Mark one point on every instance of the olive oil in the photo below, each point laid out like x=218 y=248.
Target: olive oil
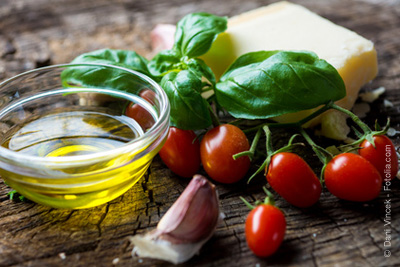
x=85 y=154
x=72 y=133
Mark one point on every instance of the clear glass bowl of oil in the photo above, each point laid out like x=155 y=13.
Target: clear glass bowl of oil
x=79 y=135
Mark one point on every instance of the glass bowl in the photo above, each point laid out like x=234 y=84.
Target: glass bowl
x=79 y=135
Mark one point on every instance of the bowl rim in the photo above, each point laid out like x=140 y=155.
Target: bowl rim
x=152 y=133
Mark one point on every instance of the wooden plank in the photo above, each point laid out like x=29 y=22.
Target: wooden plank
x=332 y=233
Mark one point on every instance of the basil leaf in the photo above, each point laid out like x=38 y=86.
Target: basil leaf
x=266 y=84
x=196 y=32
x=189 y=110
x=123 y=58
x=200 y=69
x=101 y=77
x=165 y=61
x=250 y=60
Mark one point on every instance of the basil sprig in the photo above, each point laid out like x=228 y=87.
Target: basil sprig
x=267 y=84
x=183 y=75
x=164 y=62
x=258 y=85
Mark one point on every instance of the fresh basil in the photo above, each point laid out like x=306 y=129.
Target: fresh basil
x=189 y=110
x=183 y=74
x=123 y=58
x=200 y=69
x=196 y=32
x=266 y=84
x=164 y=62
x=103 y=77
x=257 y=85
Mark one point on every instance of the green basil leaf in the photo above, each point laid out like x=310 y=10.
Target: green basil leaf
x=196 y=32
x=266 y=84
x=101 y=77
x=123 y=58
x=250 y=61
x=200 y=69
x=188 y=108
x=165 y=61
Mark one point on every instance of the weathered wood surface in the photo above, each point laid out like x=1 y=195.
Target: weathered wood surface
x=35 y=33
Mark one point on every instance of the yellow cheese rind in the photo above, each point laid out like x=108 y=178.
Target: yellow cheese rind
x=286 y=26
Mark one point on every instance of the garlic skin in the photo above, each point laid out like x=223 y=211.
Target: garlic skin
x=185 y=227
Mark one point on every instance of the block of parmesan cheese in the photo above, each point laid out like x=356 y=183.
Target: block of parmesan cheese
x=286 y=26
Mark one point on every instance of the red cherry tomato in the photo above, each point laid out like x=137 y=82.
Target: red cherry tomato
x=216 y=151
x=181 y=152
x=140 y=115
x=265 y=229
x=383 y=156
x=351 y=177
x=148 y=95
x=293 y=179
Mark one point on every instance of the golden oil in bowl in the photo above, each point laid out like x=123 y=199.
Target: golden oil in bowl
x=75 y=147
x=72 y=133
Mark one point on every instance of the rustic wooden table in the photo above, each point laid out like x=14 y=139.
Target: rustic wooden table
x=35 y=33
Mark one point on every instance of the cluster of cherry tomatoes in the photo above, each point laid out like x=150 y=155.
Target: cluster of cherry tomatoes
x=349 y=176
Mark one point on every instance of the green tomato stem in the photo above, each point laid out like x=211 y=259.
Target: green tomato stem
x=252 y=149
x=269 y=200
x=268 y=136
x=292 y=124
x=315 y=114
x=242 y=154
x=247 y=203
x=354 y=117
x=367 y=134
x=324 y=155
x=260 y=169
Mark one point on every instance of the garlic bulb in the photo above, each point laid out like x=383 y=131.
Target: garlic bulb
x=186 y=226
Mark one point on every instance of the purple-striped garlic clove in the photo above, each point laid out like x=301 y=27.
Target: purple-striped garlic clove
x=186 y=226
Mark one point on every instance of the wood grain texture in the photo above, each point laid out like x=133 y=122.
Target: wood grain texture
x=36 y=33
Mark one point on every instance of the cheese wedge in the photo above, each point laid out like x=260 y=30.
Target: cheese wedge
x=286 y=26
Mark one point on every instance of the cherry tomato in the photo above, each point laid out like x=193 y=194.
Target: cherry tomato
x=265 y=229
x=351 y=177
x=216 y=150
x=383 y=156
x=148 y=95
x=293 y=179
x=181 y=152
x=140 y=115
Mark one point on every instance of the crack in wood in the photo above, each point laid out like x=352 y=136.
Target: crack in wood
x=33 y=223
x=238 y=240
x=102 y=217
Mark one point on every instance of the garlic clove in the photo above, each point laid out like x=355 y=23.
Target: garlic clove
x=190 y=217
x=186 y=226
x=146 y=247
